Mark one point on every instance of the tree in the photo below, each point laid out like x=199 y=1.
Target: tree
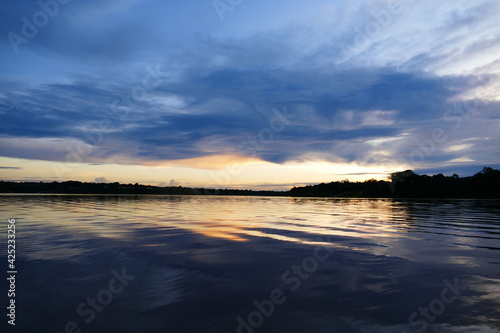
x=401 y=176
x=485 y=171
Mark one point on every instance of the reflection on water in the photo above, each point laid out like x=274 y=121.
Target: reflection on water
x=200 y=262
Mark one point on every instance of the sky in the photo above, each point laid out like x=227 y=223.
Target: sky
x=247 y=94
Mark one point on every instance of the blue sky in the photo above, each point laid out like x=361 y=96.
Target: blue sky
x=254 y=94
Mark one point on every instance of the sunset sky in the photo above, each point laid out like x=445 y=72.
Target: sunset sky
x=247 y=94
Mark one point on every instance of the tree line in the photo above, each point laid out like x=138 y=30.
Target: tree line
x=404 y=184
x=408 y=184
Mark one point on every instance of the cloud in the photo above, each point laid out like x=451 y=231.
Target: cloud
x=101 y=180
x=219 y=89
x=10 y=168
x=173 y=182
x=333 y=115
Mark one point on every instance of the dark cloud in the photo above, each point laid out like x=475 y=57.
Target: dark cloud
x=326 y=115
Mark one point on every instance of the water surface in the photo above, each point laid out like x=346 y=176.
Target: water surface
x=215 y=264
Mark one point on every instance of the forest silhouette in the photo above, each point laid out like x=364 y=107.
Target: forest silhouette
x=404 y=184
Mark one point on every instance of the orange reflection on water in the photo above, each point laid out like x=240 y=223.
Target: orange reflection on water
x=377 y=225
x=279 y=218
x=229 y=217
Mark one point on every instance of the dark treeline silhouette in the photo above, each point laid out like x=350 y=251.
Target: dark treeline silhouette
x=405 y=184
x=368 y=189
x=76 y=187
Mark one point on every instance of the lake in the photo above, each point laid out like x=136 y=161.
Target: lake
x=129 y=263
